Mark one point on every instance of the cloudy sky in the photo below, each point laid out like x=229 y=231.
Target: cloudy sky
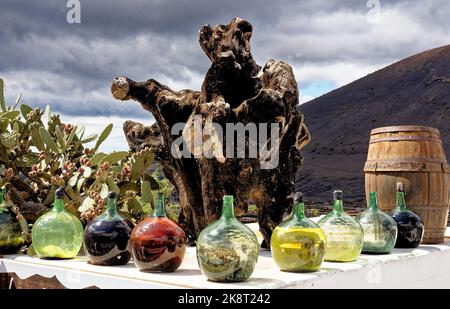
x=70 y=66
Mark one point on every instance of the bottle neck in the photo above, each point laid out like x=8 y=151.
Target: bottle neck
x=227 y=209
x=338 y=206
x=58 y=205
x=401 y=203
x=373 y=204
x=1 y=197
x=160 y=207
x=112 y=207
x=298 y=210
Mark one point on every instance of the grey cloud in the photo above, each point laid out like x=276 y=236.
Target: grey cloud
x=71 y=66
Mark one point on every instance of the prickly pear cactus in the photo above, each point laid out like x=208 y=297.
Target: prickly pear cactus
x=38 y=153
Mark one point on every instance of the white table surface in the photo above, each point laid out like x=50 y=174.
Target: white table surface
x=425 y=267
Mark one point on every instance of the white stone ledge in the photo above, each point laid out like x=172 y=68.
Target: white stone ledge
x=425 y=267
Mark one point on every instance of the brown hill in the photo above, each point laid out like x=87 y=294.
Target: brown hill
x=414 y=91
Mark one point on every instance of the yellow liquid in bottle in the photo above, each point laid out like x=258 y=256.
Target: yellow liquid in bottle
x=57 y=252
x=343 y=246
x=298 y=249
x=342 y=251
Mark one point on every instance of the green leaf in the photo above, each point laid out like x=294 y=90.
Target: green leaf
x=10 y=114
x=21 y=127
x=89 y=139
x=80 y=132
x=133 y=205
x=153 y=182
x=87 y=172
x=46 y=137
x=9 y=140
x=116 y=169
x=112 y=185
x=95 y=160
x=37 y=139
x=88 y=204
x=137 y=169
x=16 y=126
x=127 y=186
x=104 y=135
x=114 y=157
x=2 y=97
x=104 y=191
x=146 y=192
x=25 y=109
x=70 y=139
x=140 y=166
x=26 y=160
x=4 y=123
x=60 y=137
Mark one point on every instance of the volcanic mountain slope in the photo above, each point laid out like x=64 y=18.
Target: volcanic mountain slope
x=414 y=91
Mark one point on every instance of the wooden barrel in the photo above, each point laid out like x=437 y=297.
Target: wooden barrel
x=413 y=155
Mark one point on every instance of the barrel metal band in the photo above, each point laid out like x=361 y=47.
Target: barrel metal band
x=404 y=138
x=405 y=129
x=405 y=159
x=406 y=166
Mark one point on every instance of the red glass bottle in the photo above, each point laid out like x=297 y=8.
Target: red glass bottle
x=158 y=243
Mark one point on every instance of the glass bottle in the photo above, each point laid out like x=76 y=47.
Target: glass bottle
x=410 y=226
x=158 y=243
x=227 y=250
x=11 y=239
x=107 y=237
x=344 y=234
x=298 y=244
x=57 y=233
x=380 y=230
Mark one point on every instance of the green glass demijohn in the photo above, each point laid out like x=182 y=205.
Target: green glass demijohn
x=11 y=239
x=57 y=233
x=380 y=230
x=344 y=234
x=298 y=244
x=227 y=250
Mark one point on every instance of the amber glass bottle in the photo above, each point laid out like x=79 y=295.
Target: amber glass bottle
x=158 y=243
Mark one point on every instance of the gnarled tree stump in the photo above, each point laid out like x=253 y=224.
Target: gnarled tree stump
x=235 y=90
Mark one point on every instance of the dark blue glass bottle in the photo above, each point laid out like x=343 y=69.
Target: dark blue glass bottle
x=410 y=225
x=106 y=238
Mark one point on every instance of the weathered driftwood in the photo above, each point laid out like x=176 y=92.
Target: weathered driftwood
x=235 y=90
